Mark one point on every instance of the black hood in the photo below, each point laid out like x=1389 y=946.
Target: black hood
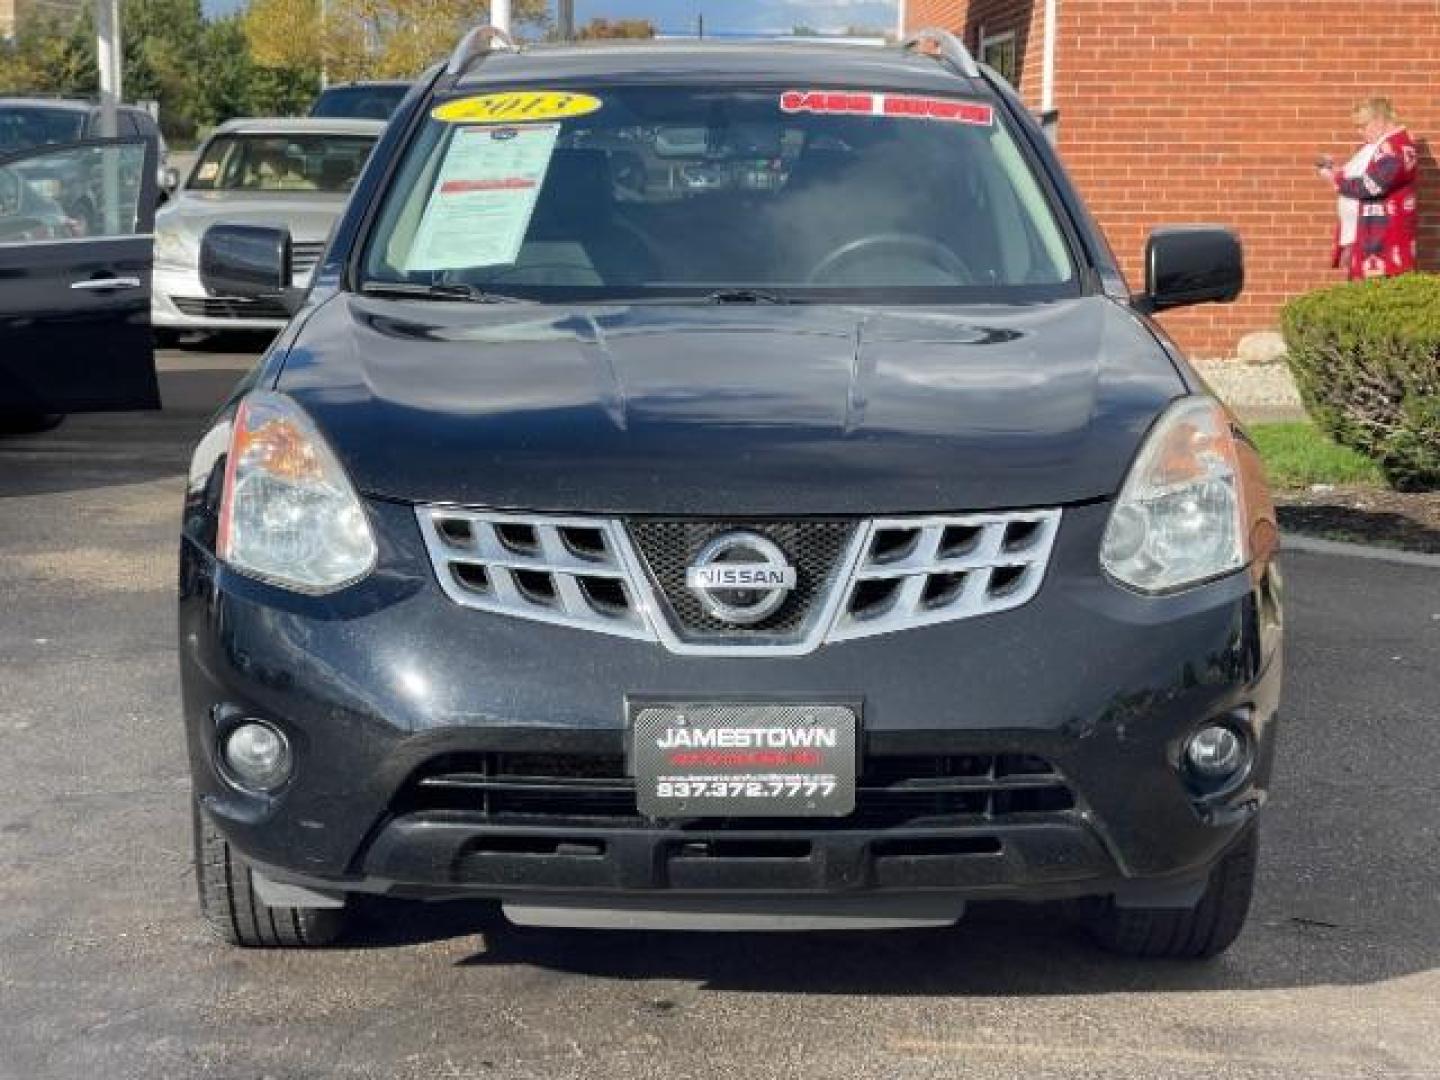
x=731 y=410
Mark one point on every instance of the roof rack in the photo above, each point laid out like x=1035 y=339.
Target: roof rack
x=945 y=46
x=475 y=46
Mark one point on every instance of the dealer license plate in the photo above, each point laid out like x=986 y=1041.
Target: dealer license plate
x=731 y=760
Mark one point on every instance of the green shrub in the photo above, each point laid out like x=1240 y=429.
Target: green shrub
x=1366 y=357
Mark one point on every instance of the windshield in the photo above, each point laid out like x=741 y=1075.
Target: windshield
x=291 y=162
x=647 y=191
x=23 y=127
x=361 y=102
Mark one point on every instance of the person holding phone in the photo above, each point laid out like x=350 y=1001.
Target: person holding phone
x=1376 y=200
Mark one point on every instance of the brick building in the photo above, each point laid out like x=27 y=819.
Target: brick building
x=1214 y=110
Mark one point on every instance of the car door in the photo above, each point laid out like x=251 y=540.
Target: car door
x=75 y=262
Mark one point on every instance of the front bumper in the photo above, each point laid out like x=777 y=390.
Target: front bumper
x=377 y=684
x=178 y=301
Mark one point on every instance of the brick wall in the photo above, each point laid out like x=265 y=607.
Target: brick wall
x=1214 y=110
x=992 y=17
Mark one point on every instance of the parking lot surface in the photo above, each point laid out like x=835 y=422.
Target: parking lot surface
x=106 y=971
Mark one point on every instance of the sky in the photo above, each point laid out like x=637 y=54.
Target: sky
x=744 y=15
x=752 y=16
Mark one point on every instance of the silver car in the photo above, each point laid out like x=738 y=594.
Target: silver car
x=292 y=174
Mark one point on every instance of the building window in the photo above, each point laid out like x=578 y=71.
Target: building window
x=999 y=51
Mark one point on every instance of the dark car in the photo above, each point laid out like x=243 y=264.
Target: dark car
x=360 y=100
x=76 y=214
x=27 y=123
x=831 y=540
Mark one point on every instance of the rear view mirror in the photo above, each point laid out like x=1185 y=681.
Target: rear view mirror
x=247 y=261
x=681 y=142
x=1192 y=264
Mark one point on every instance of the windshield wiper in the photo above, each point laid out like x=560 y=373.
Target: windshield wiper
x=449 y=290
x=748 y=296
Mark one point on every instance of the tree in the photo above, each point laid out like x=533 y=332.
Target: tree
x=264 y=62
x=365 y=38
x=46 y=56
x=227 y=90
x=161 y=44
x=618 y=28
x=234 y=85
x=283 y=33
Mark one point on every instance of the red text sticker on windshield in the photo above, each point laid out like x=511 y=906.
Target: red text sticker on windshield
x=850 y=103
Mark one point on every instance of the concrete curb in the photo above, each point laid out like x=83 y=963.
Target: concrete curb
x=1313 y=545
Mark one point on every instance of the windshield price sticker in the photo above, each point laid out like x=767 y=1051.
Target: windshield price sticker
x=703 y=760
x=516 y=106
x=480 y=209
x=904 y=106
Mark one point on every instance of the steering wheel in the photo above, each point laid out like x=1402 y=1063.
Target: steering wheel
x=931 y=251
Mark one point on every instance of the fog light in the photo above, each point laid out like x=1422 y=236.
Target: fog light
x=1215 y=753
x=257 y=755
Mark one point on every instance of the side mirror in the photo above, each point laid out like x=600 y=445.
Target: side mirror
x=1192 y=264
x=251 y=262
x=169 y=179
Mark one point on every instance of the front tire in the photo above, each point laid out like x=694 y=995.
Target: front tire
x=1196 y=933
x=236 y=914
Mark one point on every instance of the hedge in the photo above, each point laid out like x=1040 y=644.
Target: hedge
x=1366 y=357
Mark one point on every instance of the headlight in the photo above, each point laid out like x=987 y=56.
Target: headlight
x=1180 y=516
x=175 y=248
x=289 y=515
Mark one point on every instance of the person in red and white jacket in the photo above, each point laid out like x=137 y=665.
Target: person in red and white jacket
x=1377 y=204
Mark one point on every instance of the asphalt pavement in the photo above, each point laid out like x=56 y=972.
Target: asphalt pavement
x=106 y=971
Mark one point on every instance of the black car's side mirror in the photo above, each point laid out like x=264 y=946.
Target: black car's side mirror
x=1192 y=264
x=251 y=262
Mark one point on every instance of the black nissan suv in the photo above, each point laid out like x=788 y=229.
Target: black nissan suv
x=726 y=485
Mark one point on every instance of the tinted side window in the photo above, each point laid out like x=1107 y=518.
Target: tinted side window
x=363 y=102
x=126 y=126
x=72 y=192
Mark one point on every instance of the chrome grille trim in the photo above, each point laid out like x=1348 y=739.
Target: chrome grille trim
x=817 y=549
x=810 y=637
x=480 y=545
x=896 y=573
x=304 y=255
x=923 y=571
x=230 y=307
